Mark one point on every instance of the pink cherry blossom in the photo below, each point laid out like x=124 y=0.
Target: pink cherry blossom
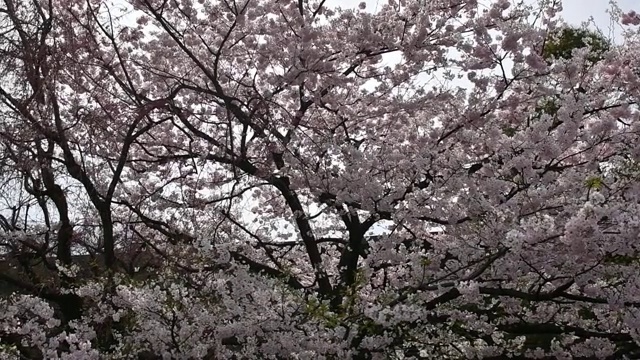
x=272 y=179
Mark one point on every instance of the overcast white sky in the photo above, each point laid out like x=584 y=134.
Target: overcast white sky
x=576 y=11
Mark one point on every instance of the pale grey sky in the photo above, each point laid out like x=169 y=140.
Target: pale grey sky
x=576 y=11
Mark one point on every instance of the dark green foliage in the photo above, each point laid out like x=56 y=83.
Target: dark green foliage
x=560 y=44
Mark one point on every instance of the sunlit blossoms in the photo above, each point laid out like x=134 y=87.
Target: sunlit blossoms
x=265 y=179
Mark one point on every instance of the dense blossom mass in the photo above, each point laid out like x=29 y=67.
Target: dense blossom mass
x=282 y=179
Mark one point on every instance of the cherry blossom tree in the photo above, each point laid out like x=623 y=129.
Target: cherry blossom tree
x=262 y=179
